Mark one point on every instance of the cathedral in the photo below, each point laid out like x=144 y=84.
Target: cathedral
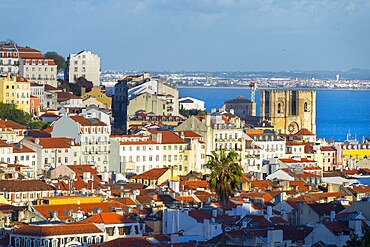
x=289 y=110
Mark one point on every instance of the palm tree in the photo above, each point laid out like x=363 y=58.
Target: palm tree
x=226 y=173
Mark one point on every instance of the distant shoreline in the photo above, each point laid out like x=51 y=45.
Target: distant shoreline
x=277 y=88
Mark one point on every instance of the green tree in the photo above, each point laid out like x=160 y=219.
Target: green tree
x=192 y=112
x=10 y=112
x=226 y=173
x=58 y=59
x=354 y=241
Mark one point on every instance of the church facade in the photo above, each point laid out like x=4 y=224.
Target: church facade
x=289 y=110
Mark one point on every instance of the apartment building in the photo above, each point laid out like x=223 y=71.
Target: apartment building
x=11 y=132
x=155 y=149
x=271 y=144
x=15 y=90
x=21 y=192
x=27 y=62
x=9 y=58
x=83 y=64
x=91 y=133
x=52 y=152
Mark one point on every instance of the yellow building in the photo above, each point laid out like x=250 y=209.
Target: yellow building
x=356 y=152
x=99 y=95
x=15 y=90
x=289 y=110
x=61 y=200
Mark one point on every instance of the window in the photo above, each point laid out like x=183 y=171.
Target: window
x=164 y=157
x=305 y=107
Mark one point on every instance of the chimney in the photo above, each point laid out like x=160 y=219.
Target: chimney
x=37 y=141
x=208 y=120
x=298 y=211
x=213 y=110
x=332 y=216
x=232 y=111
x=269 y=212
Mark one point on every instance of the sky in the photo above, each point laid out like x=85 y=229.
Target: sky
x=197 y=35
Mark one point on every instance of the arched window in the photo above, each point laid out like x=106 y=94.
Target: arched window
x=305 y=107
x=279 y=108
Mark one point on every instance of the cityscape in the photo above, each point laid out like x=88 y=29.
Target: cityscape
x=93 y=155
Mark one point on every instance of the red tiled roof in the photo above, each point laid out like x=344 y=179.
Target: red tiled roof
x=87 y=121
x=63 y=96
x=4 y=144
x=168 y=137
x=108 y=219
x=290 y=160
x=11 y=124
x=360 y=189
x=199 y=215
x=327 y=149
x=193 y=185
x=93 y=208
x=153 y=174
x=53 y=142
x=22 y=149
x=24 y=185
x=324 y=195
x=337 y=228
x=21 y=79
x=53 y=230
x=265 y=196
x=304 y=132
x=188 y=134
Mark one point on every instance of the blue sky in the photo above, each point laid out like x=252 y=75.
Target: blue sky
x=208 y=35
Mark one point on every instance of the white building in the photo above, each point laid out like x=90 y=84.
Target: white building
x=189 y=103
x=272 y=145
x=196 y=225
x=52 y=152
x=17 y=154
x=83 y=64
x=64 y=235
x=27 y=62
x=91 y=134
x=138 y=154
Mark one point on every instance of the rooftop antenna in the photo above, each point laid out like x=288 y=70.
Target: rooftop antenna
x=253 y=86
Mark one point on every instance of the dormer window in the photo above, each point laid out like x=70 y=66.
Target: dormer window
x=46 y=62
x=33 y=62
x=27 y=62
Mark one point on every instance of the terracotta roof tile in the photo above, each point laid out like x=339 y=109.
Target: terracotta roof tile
x=153 y=174
x=168 y=137
x=304 y=132
x=87 y=121
x=24 y=185
x=108 y=219
x=53 y=230
x=53 y=142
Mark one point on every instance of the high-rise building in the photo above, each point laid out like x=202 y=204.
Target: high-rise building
x=27 y=62
x=83 y=64
x=119 y=106
x=289 y=110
